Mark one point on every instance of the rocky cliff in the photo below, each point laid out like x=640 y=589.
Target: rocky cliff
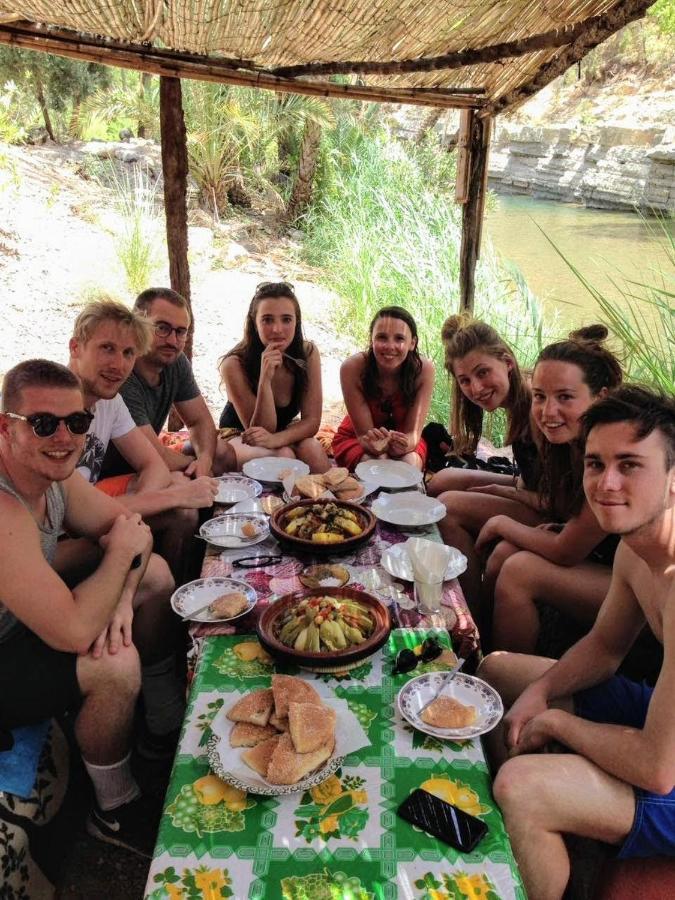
x=607 y=167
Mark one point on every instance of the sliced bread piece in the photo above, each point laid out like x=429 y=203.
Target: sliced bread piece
x=289 y=689
x=279 y=723
x=288 y=767
x=258 y=757
x=255 y=708
x=311 y=725
x=244 y=734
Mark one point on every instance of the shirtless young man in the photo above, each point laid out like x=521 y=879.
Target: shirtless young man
x=47 y=630
x=617 y=784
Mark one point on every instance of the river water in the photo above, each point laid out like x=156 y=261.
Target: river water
x=602 y=245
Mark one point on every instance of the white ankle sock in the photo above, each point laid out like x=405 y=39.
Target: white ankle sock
x=164 y=696
x=113 y=785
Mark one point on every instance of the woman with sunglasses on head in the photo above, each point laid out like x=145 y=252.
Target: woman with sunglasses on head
x=485 y=377
x=566 y=566
x=387 y=392
x=271 y=376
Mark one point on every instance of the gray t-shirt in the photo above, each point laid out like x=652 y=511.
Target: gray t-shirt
x=49 y=533
x=150 y=405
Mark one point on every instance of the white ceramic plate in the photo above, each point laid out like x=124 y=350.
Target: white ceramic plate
x=408 y=508
x=226 y=530
x=196 y=594
x=272 y=469
x=388 y=473
x=466 y=689
x=234 y=488
x=396 y=561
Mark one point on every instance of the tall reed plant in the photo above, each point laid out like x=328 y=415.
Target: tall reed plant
x=641 y=314
x=139 y=241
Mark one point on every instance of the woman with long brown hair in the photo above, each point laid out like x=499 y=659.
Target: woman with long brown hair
x=272 y=376
x=485 y=376
x=387 y=391
x=568 y=566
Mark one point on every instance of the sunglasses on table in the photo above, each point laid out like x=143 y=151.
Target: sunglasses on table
x=46 y=424
x=407 y=660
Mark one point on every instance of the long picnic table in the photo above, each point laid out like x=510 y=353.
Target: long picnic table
x=342 y=839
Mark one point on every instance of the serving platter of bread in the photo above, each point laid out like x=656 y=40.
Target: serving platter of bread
x=336 y=482
x=466 y=708
x=280 y=739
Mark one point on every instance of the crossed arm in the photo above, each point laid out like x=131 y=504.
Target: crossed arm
x=642 y=757
x=71 y=620
x=257 y=412
x=567 y=547
x=197 y=418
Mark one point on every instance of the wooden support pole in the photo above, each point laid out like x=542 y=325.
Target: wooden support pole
x=472 y=211
x=175 y=169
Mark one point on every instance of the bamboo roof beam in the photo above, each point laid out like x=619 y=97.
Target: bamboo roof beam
x=173 y=64
x=625 y=12
x=618 y=17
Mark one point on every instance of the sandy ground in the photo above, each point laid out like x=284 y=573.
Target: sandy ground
x=57 y=249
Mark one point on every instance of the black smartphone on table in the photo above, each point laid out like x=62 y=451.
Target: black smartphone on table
x=442 y=820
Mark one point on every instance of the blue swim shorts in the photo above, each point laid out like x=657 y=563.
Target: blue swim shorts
x=620 y=701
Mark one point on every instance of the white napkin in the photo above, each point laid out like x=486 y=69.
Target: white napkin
x=429 y=559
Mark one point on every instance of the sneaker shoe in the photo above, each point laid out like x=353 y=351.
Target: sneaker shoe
x=133 y=825
x=157 y=746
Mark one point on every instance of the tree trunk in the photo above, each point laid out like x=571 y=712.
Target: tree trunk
x=429 y=121
x=74 y=124
x=142 y=89
x=304 y=179
x=40 y=94
x=472 y=211
x=175 y=169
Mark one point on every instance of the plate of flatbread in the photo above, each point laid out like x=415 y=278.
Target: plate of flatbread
x=282 y=739
x=465 y=709
x=215 y=599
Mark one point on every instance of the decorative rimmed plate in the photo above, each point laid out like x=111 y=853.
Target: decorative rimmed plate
x=396 y=561
x=467 y=689
x=388 y=473
x=268 y=790
x=272 y=469
x=235 y=530
x=196 y=594
x=233 y=488
x=409 y=508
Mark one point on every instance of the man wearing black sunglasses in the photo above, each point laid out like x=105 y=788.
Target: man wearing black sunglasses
x=161 y=378
x=64 y=649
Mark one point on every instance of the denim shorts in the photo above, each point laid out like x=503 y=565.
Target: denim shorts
x=620 y=701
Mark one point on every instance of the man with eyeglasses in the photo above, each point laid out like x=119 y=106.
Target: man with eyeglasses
x=163 y=378
x=107 y=339
x=49 y=632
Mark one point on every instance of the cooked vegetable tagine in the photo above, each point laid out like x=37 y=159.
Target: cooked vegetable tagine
x=324 y=624
x=323 y=523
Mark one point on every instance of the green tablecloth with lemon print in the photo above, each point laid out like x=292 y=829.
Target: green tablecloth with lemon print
x=341 y=840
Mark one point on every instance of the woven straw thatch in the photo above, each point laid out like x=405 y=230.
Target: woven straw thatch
x=273 y=35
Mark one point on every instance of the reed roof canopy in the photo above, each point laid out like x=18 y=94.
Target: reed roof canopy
x=489 y=55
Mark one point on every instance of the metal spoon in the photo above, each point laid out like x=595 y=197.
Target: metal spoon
x=444 y=683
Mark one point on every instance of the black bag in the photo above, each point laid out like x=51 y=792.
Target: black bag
x=440 y=454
